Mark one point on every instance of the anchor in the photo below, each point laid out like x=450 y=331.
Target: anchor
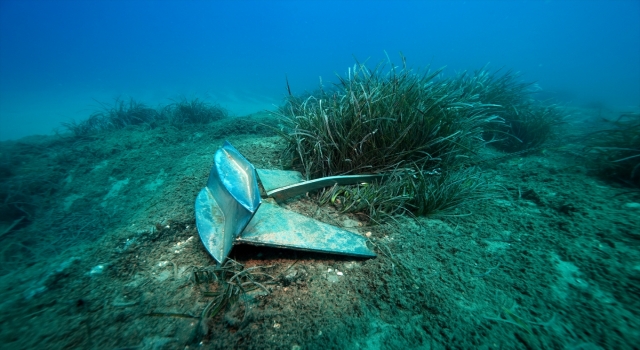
x=230 y=210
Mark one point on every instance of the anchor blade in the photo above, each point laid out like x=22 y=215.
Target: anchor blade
x=274 y=226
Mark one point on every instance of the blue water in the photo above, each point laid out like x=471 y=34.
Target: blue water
x=60 y=59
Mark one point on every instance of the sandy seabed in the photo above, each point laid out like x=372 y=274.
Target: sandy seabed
x=106 y=261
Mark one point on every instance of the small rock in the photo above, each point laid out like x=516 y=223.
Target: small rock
x=163 y=276
x=351 y=223
x=96 y=270
x=632 y=205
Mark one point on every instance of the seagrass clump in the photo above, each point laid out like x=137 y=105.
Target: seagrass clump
x=123 y=114
x=119 y=115
x=383 y=119
x=614 y=152
x=421 y=128
x=528 y=123
x=195 y=111
x=411 y=192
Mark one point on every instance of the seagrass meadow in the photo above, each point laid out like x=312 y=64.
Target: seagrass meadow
x=501 y=221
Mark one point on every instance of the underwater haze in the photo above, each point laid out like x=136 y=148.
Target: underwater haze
x=59 y=60
x=451 y=204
